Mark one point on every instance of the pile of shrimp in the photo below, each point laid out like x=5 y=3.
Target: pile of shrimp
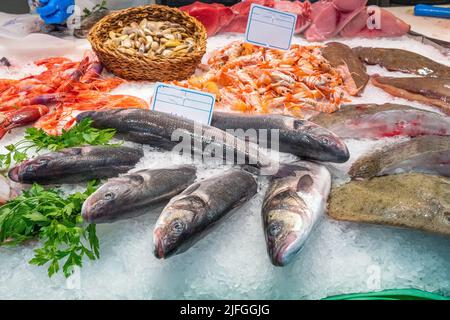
x=253 y=79
x=52 y=99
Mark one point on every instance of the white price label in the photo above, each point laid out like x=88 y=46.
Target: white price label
x=191 y=104
x=270 y=28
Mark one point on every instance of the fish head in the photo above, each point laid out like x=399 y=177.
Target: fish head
x=173 y=232
x=31 y=170
x=286 y=232
x=112 y=199
x=323 y=144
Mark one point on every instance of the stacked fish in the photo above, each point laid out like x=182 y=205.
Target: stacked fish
x=297 y=193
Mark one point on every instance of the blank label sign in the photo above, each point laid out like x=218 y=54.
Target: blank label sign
x=187 y=103
x=270 y=28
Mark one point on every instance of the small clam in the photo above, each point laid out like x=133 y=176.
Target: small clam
x=126 y=43
x=180 y=47
x=166 y=53
x=148 y=39
x=172 y=43
x=142 y=48
x=154 y=46
x=169 y=36
x=134 y=25
x=112 y=34
x=143 y=23
x=163 y=40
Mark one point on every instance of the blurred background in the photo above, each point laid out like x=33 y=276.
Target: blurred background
x=21 y=6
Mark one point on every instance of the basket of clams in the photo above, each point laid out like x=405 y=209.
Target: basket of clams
x=154 y=43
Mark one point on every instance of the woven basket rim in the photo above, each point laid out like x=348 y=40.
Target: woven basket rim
x=98 y=45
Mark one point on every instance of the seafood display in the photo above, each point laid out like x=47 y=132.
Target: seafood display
x=152 y=38
x=433 y=91
x=383 y=120
x=294 y=202
x=52 y=98
x=352 y=70
x=158 y=129
x=253 y=79
x=136 y=193
x=411 y=200
x=298 y=137
x=403 y=61
x=318 y=21
x=426 y=154
x=77 y=164
x=188 y=216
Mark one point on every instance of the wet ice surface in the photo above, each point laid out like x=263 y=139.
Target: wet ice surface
x=231 y=261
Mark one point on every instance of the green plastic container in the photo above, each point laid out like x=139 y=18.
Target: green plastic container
x=390 y=294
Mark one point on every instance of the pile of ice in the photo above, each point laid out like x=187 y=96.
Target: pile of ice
x=231 y=262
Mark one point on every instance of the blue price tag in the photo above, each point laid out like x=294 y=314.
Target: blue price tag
x=270 y=28
x=192 y=104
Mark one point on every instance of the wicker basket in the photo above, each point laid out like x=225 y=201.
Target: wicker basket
x=142 y=67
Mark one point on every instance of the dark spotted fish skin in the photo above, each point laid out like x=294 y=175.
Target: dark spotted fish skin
x=403 y=61
x=79 y=164
x=426 y=154
x=136 y=193
x=301 y=138
x=293 y=204
x=157 y=129
x=353 y=71
x=190 y=215
x=432 y=91
x=386 y=120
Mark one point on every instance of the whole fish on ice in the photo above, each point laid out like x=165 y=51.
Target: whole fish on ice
x=136 y=193
x=189 y=215
x=77 y=164
x=411 y=200
x=428 y=90
x=298 y=137
x=158 y=129
x=349 y=66
x=427 y=154
x=385 y=120
x=402 y=60
x=294 y=202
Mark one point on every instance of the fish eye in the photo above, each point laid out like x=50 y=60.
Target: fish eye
x=274 y=229
x=177 y=227
x=325 y=140
x=43 y=161
x=108 y=196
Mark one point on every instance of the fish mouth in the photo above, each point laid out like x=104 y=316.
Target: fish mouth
x=158 y=243
x=13 y=174
x=287 y=251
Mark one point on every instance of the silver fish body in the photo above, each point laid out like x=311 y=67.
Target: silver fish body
x=136 y=193
x=383 y=120
x=295 y=200
x=188 y=216
x=79 y=164
x=159 y=129
x=301 y=138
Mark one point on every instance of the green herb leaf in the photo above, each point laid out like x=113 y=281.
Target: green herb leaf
x=81 y=134
x=56 y=220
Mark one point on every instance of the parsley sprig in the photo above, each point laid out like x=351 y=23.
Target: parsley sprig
x=56 y=221
x=37 y=139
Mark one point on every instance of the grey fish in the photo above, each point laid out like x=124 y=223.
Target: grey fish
x=432 y=91
x=352 y=70
x=78 y=164
x=188 y=216
x=157 y=129
x=411 y=200
x=298 y=137
x=136 y=193
x=402 y=60
x=385 y=120
x=427 y=154
x=294 y=202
